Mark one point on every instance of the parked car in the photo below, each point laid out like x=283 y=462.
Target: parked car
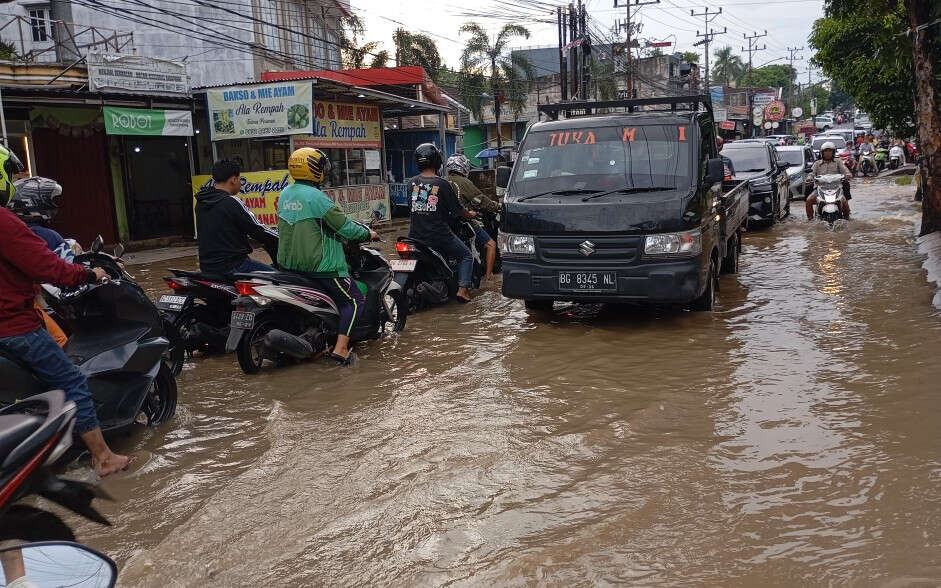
x=824 y=122
x=801 y=158
x=758 y=164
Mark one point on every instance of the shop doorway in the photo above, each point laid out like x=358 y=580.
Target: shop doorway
x=158 y=188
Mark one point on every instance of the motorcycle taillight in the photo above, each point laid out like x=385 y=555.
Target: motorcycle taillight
x=246 y=288
x=403 y=249
x=174 y=285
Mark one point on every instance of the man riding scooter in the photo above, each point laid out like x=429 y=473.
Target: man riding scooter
x=310 y=225
x=829 y=164
x=472 y=198
x=26 y=260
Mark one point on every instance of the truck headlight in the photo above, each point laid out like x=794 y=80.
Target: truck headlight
x=687 y=243
x=516 y=244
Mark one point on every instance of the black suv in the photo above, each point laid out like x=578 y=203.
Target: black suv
x=757 y=163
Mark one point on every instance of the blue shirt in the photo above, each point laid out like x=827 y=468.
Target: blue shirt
x=53 y=239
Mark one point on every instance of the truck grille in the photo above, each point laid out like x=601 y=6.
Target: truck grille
x=605 y=251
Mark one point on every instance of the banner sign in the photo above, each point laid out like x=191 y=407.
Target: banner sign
x=775 y=111
x=260 y=192
x=142 y=121
x=136 y=74
x=720 y=114
x=345 y=125
x=398 y=194
x=763 y=99
x=727 y=125
x=363 y=203
x=261 y=110
x=717 y=94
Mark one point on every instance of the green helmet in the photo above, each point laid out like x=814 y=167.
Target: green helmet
x=10 y=165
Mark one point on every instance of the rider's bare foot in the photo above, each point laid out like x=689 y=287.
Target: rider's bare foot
x=489 y=277
x=111 y=464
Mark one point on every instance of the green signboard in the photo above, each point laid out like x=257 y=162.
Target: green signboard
x=142 y=121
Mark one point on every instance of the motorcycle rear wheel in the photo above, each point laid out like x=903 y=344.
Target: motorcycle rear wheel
x=175 y=354
x=396 y=299
x=160 y=404
x=251 y=349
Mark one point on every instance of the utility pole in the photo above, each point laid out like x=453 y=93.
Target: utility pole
x=628 y=29
x=708 y=35
x=563 y=72
x=573 y=49
x=791 y=58
x=752 y=48
x=583 y=51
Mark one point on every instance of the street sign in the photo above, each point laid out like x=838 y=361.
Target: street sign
x=775 y=110
x=768 y=125
x=762 y=99
x=756 y=111
x=757 y=121
x=797 y=112
x=727 y=125
x=775 y=125
x=720 y=114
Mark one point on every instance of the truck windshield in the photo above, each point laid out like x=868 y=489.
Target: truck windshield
x=748 y=159
x=591 y=159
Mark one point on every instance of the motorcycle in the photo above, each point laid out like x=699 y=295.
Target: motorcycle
x=427 y=277
x=849 y=161
x=198 y=310
x=867 y=164
x=116 y=338
x=34 y=434
x=830 y=197
x=881 y=157
x=896 y=156
x=284 y=316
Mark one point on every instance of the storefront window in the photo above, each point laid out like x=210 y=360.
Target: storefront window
x=257 y=155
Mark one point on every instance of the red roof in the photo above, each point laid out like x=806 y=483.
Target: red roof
x=374 y=76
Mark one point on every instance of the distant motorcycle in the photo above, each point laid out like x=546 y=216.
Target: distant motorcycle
x=427 y=276
x=830 y=197
x=867 y=164
x=283 y=316
x=846 y=156
x=881 y=158
x=116 y=338
x=896 y=156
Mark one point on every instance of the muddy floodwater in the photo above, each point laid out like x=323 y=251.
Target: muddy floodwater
x=793 y=437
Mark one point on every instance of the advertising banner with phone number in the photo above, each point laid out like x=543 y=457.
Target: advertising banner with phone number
x=260 y=110
x=260 y=192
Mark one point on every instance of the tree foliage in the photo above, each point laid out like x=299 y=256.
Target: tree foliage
x=776 y=75
x=489 y=67
x=690 y=57
x=728 y=67
x=862 y=47
x=417 y=49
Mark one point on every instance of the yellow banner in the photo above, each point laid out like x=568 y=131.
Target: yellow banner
x=346 y=125
x=260 y=192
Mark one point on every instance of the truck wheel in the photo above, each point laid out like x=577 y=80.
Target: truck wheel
x=538 y=305
x=707 y=301
x=730 y=263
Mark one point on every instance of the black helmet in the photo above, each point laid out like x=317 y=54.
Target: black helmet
x=427 y=156
x=36 y=199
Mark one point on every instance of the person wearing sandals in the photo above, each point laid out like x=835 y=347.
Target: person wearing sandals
x=310 y=226
x=434 y=204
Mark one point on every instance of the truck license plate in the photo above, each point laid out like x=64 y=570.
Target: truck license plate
x=242 y=320
x=592 y=281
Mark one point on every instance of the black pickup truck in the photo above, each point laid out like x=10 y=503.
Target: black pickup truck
x=609 y=203
x=759 y=164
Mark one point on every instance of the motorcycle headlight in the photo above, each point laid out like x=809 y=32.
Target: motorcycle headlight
x=516 y=244
x=687 y=243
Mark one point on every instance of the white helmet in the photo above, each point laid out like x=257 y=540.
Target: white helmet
x=828 y=145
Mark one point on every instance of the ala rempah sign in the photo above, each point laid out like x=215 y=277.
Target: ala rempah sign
x=143 y=121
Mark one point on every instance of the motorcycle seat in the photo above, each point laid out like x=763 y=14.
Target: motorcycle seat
x=281 y=277
x=201 y=276
x=14 y=429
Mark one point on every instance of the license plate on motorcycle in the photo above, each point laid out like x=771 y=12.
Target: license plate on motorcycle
x=171 y=302
x=403 y=265
x=588 y=281
x=242 y=320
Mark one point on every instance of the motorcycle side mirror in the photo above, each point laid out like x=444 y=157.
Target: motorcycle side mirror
x=119 y=250
x=503 y=176
x=96 y=244
x=57 y=563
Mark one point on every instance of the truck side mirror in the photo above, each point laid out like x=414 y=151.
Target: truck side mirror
x=715 y=170
x=503 y=176
x=783 y=165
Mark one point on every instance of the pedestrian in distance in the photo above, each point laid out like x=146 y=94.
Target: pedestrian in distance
x=25 y=261
x=311 y=226
x=434 y=206
x=224 y=224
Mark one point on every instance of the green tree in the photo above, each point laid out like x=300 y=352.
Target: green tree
x=727 y=67
x=603 y=79
x=417 y=49
x=690 y=57
x=355 y=57
x=884 y=53
x=776 y=75
x=489 y=64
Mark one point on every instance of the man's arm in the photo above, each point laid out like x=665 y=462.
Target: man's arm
x=342 y=225
x=29 y=253
x=472 y=194
x=249 y=223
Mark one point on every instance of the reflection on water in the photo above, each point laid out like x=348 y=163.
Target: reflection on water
x=790 y=438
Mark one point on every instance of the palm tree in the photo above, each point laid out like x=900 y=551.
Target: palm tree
x=690 y=56
x=355 y=57
x=489 y=65
x=728 y=67
x=417 y=49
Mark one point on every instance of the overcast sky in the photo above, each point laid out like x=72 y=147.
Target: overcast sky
x=788 y=23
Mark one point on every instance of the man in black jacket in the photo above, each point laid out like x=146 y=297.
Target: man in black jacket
x=224 y=224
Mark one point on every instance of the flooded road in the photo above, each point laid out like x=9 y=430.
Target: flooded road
x=791 y=438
